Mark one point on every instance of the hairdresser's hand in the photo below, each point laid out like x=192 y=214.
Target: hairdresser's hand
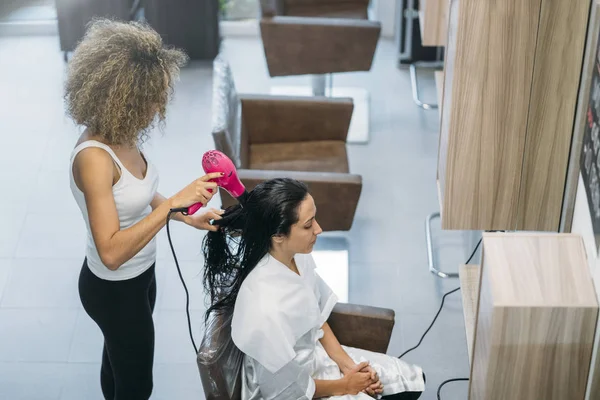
x=199 y=191
x=356 y=380
x=201 y=220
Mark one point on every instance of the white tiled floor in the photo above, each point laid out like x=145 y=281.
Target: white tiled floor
x=50 y=349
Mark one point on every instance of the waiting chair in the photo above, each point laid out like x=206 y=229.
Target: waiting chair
x=303 y=138
x=220 y=361
x=321 y=38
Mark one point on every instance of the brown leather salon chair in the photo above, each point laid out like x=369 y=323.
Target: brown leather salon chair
x=317 y=36
x=284 y=136
x=220 y=362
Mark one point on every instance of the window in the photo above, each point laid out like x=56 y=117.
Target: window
x=238 y=10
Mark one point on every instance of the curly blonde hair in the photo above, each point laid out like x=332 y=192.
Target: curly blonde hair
x=120 y=79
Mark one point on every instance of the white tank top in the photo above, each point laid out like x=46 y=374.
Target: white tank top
x=132 y=198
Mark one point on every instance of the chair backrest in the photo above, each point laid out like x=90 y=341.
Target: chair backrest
x=220 y=361
x=226 y=113
x=331 y=8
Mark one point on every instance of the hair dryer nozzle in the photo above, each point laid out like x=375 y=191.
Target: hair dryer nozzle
x=216 y=161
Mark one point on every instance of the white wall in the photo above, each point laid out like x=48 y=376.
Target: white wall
x=582 y=224
x=385 y=12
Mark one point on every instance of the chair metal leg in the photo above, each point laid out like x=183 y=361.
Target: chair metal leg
x=318 y=85
x=415 y=82
x=432 y=267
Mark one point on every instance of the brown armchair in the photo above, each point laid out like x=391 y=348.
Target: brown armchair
x=283 y=136
x=220 y=362
x=317 y=36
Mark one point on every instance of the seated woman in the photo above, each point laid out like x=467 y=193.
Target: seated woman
x=259 y=264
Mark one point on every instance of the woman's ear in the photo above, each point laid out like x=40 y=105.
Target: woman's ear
x=278 y=238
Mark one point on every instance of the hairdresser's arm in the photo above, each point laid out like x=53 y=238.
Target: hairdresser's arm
x=93 y=173
x=160 y=199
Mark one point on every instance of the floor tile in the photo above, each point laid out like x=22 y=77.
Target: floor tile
x=173 y=343
x=12 y=225
x=6 y=268
x=43 y=283
x=52 y=192
x=81 y=382
x=31 y=381
x=174 y=295
x=47 y=235
x=177 y=381
x=36 y=335
x=87 y=340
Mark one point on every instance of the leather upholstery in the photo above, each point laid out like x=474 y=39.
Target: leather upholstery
x=220 y=362
x=287 y=119
x=321 y=156
x=317 y=37
x=364 y=327
x=298 y=137
x=354 y=9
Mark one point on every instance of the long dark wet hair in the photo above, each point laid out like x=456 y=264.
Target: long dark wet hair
x=244 y=238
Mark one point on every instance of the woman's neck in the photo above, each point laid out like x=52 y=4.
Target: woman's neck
x=285 y=258
x=89 y=135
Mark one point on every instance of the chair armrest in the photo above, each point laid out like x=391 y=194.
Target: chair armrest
x=284 y=119
x=313 y=45
x=336 y=194
x=363 y=327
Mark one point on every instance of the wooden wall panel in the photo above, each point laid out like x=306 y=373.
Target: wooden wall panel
x=556 y=76
x=491 y=83
x=446 y=104
x=433 y=16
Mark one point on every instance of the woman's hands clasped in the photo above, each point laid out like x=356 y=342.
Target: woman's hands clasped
x=362 y=378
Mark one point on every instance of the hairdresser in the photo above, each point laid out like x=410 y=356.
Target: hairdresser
x=118 y=83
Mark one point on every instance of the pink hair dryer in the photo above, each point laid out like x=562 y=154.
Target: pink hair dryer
x=216 y=161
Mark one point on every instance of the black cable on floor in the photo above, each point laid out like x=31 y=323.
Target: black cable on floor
x=441 y=306
x=448 y=381
x=187 y=295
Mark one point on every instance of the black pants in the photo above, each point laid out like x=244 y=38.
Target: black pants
x=123 y=311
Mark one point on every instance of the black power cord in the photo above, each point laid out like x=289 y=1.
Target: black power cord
x=187 y=295
x=433 y=322
x=441 y=306
x=448 y=381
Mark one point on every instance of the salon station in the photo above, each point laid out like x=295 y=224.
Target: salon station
x=452 y=148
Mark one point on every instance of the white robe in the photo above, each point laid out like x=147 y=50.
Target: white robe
x=277 y=323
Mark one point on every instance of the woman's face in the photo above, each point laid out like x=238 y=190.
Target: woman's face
x=303 y=233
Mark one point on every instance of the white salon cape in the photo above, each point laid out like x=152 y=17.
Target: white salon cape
x=277 y=323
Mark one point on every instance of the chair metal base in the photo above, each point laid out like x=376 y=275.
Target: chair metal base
x=359 y=124
x=432 y=267
x=436 y=66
